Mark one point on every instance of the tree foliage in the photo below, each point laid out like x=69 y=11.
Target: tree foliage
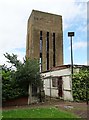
x=81 y=85
x=15 y=82
x=13 y=60
x=28 y=73
x=10 y=88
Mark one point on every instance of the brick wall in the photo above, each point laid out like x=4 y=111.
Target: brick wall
x=16 y=102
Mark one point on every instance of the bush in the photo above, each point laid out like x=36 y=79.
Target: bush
x=10 y=87
x=81 y=85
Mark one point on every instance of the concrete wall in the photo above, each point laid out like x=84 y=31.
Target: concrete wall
x=47 y=86
x=66 y=86
x=45 y=22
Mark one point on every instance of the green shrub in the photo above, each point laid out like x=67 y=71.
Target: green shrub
x=81 y=85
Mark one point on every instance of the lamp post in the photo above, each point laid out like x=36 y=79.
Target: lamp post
x=50 y=83
x=71 y=34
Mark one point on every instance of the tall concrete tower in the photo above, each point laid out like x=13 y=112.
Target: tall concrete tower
x=45 y=39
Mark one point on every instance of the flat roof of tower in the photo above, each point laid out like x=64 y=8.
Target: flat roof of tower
x=37 y=11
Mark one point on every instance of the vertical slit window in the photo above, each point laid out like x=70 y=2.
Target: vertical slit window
x=53 y=49
x=47 y=50
x=40 y=50
x=28 y=41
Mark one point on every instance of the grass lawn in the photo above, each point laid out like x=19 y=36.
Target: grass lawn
x=37 y=113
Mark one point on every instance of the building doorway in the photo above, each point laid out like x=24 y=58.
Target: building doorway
x=60 y=92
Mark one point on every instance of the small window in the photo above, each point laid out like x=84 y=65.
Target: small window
x=54 y=82
x=34 y=90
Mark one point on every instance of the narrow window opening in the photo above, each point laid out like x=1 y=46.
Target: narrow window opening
x=47 y=50
x=40 y=51
x=53 y=49
x=28 y=42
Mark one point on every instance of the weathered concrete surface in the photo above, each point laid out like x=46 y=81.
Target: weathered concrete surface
x=45 y=22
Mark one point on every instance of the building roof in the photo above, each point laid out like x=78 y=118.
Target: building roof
x=64 y=67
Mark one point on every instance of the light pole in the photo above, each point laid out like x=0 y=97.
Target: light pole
x=71 y=34
x=50 y=83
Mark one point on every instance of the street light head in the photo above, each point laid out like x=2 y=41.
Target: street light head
x=70 y=34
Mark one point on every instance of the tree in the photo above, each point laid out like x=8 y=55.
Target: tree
x=81 y=85
x=26 y=73
x=10 y=88
x=13 y=60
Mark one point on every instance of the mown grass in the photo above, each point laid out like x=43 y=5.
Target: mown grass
x=37 y=113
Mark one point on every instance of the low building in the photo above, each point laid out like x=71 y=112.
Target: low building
x=57 y=82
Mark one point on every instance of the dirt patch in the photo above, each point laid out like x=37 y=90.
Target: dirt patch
x=79 y=109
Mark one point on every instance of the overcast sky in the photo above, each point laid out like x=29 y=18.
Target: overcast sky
x=13 y=26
